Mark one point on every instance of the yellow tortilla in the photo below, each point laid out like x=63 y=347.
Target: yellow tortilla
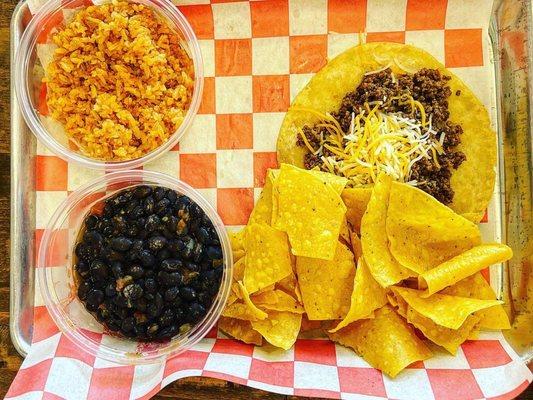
x=367 y=296
x=472 y=182
x=326 y=285
x=384 y=268
x=280 y=328
x=262 y=212
x=462 y=266
x=444 y=310
x=477 y=287
x=423 y=232
x=356 y=200
x=241 y=330
x=386 y=342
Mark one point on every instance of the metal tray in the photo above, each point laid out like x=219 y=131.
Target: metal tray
x=511 y=19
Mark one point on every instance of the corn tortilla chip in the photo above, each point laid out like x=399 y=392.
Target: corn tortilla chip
x=477 y=287
x=367 y=296
x=450 y=339
x=278 y=300
x=448 y=311
x=241 y=330
x=356 y=200
x=262 y=212
x=290 y=286
x=310 y=211
x=280 y=328
x=383 y=267
x=267 y=258
x=462 y=266
x=336 y=182
x=238 y=270
x=238 y=255
x=239 y=310
x=355 y=241
x=246 y=297
x=386 y=342
x=423 y=232
x=326 y=286
x=237 y=240
x=344 y=234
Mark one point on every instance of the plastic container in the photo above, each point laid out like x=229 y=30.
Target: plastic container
x=30 y=71
x=56 y=279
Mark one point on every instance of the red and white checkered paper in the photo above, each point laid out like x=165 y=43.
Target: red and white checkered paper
x=257 y=57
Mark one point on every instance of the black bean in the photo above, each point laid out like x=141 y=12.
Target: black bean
x=108 y=231
x=192 y=266
x=91 y=222
x=136 y=271
x=85 y=252
x=202 y=235
x=214 y=252
x=153 y=222
x=133 y=292
x=132 y=231
x=176 y=246
x=189 y=247
x=113 y=325
x=137 y=212
x=140 y=304
x=172 y=223
x=197 y=252
x=120 y=301
x=183 y=203
x=128 y=324
x=95 y=297
x=205 y=299
x=147 y=259
x=142 y=191
x=195 y=311
x=153 y=311
x=163 y=254
x=190 y=277
x=156 y=243
x=168 y=332
x=167 y=318
x=188 y=293
x=120 y=243
x=116 y=269
x=172 y=196
x=83 y=289
x=137 y=245
x=99 y=270
x=82 y=268
x=110 y=290
x=161 y=207
x=169 y=279
x=171 y=265
x=119 y=224
x=108 y=211
x=171 y=294
x=148 y=205
x=111 y=255
x=150 y=285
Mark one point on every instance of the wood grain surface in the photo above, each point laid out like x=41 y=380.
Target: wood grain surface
x=190 y=388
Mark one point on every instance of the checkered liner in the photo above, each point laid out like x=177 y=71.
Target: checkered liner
x=257 y=57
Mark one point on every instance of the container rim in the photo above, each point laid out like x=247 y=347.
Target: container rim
x=23 y=88
x=76 y=334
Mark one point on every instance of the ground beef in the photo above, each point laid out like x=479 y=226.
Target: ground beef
x=429 y=87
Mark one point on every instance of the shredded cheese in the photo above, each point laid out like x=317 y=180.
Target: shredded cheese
x=377 y=142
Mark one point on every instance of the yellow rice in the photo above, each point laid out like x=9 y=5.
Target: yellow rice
x=120 y=82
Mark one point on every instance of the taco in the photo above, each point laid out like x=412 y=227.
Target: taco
x=394 y=109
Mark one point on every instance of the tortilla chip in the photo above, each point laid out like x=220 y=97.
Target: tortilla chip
x=462 y=266
x=448 y=311
x=367 y=296
x=241 y=330
x=337 y=182
x=477 y=287
x=472 y=182
x=236 y=240
x=239 y=310
x=262 y=212
x=423 y=232
x=267 y=257
x=386 y=342
x=290 y=286
x=310 y=211
x=355 y=241
x=280 y=328
x=345 y=232
x=238 y=270
x=238 y=255
x=326 y=286
x=383 y=267
x=278 y=300
x=356 y=200
x=450 y=339
x=256 y=312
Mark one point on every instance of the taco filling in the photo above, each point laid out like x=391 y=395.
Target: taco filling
x=392 y=123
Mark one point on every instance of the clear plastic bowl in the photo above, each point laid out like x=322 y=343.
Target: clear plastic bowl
x=30 y=71
x=56 y=279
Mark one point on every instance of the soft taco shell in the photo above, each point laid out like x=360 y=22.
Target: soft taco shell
x=472 y=182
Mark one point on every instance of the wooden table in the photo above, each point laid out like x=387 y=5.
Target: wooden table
x=190 y=388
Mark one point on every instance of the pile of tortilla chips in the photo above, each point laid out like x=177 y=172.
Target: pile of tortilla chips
x=383 y=271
